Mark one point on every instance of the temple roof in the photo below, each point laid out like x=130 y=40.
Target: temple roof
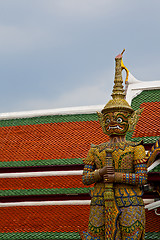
x=41 y=164
x=49 y=140
x=145 y=95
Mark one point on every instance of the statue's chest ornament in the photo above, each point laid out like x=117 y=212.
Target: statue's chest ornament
x=100 y=158
x=123 y=161
x=122 y=156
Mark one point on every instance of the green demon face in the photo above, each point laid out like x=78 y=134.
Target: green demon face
x=116 y=123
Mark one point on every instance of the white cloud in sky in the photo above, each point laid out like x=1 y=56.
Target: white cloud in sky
x=95 y=93
x=18 y=39
x=82 y=8
x=57 y=53
x=99 y=92
x=15 y=39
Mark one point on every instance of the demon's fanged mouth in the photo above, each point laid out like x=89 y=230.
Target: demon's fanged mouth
x=115 y=127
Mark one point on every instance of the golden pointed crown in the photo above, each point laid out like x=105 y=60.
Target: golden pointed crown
x=118 y=102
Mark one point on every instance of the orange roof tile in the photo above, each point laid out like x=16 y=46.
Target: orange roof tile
x=49 y=141
x=66 y=218
x=43 y=182
x=149 y=122
x=56 y=218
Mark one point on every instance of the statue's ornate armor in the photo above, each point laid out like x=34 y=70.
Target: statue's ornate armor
x=129 y=161
x=118 y=169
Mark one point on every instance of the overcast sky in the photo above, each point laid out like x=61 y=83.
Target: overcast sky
x=60 y=53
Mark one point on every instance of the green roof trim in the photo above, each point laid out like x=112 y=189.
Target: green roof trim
x=156 y=169
x=26 y=192
x=49 y=119
x=152 y=235
x=58 y=235
x=138 y=139
x=45 y=162
x=144 y=96
x=40 y=235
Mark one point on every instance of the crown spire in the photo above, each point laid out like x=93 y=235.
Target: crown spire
x=118 y=101
x=118 y=91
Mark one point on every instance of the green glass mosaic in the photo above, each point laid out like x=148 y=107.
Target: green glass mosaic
x=152 y=236
x=26 y=192
x=156 y=169
x=46 y=162
x=58 y=236
x=138 y=139
x=49 y=119
x=40 y=235
x=145 y=96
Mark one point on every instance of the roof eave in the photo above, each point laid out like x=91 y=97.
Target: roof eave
x=135 y=87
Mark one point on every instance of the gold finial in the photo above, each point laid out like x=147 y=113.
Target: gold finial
x=118 y=91
x=123 y=51
x=127 y=71
x=118 y=94
x=124 y=67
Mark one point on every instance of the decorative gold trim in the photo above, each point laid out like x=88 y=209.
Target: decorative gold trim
x=118 y=101
x=126 y=69
x=134 y=119
x=101 y=121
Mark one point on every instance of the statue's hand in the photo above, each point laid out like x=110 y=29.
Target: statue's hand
x=108 y=178
x=103 y=171
x=110 y=169
x=106 y=170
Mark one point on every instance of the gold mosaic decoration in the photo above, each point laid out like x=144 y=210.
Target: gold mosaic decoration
x=118 y=101
x=118 y=169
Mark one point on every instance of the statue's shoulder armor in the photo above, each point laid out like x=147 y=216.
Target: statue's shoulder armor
x=101 y=146
x=133 y=144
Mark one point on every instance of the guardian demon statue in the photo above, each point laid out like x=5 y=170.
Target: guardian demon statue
x=118 y=170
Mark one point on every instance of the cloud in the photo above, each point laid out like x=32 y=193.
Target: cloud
x=96 y=93
x=83 y=96
x=51 y=49
x=15 y=39
x=85 y=9
x=20 y=40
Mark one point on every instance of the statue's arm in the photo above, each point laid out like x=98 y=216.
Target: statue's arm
x=140 y=175
x=90 y=174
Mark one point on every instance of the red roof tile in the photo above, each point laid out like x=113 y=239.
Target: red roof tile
x=66 y=218
x=149 y=122
x=49 y=141
x=43 y=182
